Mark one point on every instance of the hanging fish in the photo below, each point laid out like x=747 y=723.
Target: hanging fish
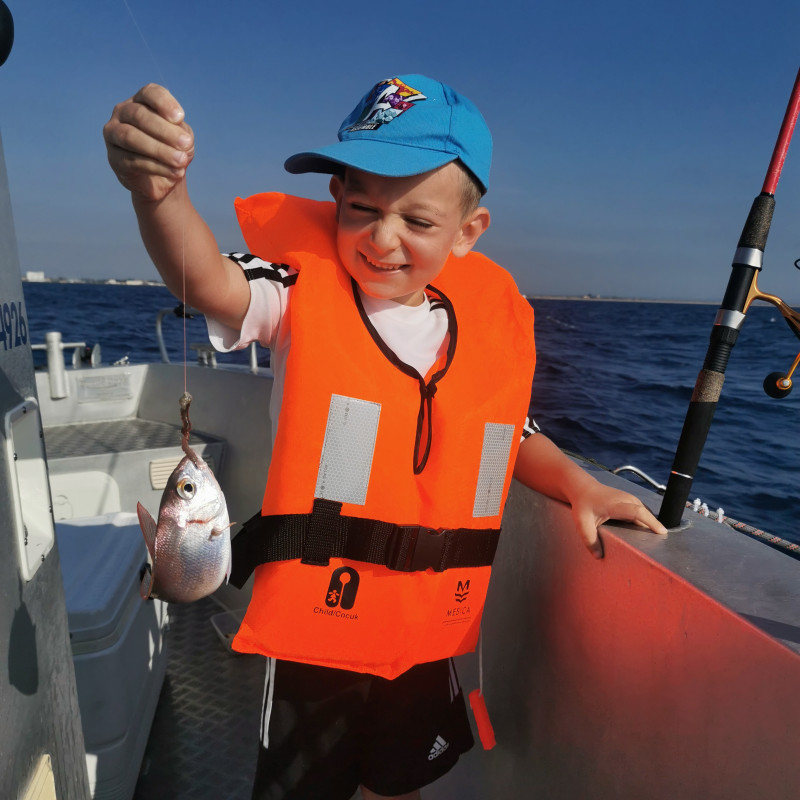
x=190 y=547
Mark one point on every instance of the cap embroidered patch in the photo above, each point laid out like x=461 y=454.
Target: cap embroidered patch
x=387 y=101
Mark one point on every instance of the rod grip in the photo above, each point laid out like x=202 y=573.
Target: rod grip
x=756 y=227
x=690 y=446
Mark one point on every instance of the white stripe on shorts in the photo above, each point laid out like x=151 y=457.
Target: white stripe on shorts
x=454 y=688
x=266 y=704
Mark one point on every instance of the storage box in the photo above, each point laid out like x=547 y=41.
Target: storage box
x=117 y=645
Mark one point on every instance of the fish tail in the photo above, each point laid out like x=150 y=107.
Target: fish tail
x=148 y=526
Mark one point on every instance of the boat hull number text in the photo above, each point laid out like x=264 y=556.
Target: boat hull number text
x=13 y=327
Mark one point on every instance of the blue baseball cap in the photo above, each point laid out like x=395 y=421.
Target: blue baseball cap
x=406 y=126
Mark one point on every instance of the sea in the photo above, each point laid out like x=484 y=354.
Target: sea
x=613 y=383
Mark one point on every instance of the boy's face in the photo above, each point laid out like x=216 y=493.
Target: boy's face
x=395 y=234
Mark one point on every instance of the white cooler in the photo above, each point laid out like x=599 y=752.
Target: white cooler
x=117 y=642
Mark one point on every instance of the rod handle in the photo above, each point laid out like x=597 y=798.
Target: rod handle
x=690 y=446
x=756 y=227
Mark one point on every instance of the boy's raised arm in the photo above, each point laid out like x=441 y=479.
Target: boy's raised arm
x=150 y=146
x=543 y=467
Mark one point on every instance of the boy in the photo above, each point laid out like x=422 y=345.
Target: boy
x=405 y=359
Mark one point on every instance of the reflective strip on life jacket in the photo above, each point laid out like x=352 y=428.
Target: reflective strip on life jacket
x=354 y=429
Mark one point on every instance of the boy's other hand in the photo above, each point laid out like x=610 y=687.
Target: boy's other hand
x=543 y=467
x=149 y=144
x=599 y=503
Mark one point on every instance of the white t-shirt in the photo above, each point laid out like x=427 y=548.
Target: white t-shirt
x=416 y=334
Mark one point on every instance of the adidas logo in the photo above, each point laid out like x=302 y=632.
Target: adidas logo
x=439 y=746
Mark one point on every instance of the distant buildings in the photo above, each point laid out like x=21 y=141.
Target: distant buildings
x=32 y=276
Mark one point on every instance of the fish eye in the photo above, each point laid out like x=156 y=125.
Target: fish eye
x=186 y=489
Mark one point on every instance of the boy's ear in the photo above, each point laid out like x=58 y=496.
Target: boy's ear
x=471 y=229
x=336 y=188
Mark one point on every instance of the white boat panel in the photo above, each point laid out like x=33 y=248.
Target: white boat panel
x=38 y=701
x=653 y=673
x=118 y=646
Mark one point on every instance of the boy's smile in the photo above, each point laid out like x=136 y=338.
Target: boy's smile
x=395 y=234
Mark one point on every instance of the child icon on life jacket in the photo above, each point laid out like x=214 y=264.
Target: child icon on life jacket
x=342 y=588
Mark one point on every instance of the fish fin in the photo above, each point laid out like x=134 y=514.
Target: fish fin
x=218 y=531
x=147 y=583
x=148 y=526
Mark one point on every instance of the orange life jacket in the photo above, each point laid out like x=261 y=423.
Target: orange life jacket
x=360 y=438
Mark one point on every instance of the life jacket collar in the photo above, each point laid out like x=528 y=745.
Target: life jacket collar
x=427 y=390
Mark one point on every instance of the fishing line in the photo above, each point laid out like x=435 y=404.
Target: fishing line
x=163 y=82
x=146 y=45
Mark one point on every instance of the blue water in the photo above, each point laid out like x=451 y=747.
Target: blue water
x=613 y=382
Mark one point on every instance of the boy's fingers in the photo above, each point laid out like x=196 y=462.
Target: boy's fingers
x=624 y=510
x=596 y=547
x=587 y=528
x=138 y=127
x=149 y=144
x=151 y=123
x=642 y=516
x=135 y=142
x=161 y=101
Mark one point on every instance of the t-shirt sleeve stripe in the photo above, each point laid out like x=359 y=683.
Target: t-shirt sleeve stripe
x=256 y=268
x=530 y=427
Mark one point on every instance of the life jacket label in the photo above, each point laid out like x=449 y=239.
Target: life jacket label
x=457 y=615
x=347 y=451
x=343 y=588
x=495 y=453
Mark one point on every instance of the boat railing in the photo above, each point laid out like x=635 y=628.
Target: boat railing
x=654 y=484
x=206 y=354
x=54 y=347
x=790 y=548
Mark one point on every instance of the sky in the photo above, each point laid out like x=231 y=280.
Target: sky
x=630 y=138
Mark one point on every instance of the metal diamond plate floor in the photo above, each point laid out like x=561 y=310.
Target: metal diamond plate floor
x=204 y=739
x=115 y=436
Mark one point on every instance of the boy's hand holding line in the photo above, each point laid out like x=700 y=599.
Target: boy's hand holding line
x=149 y=147
x=149 y=143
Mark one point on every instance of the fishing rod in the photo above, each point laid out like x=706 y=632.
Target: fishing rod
x=740 y=293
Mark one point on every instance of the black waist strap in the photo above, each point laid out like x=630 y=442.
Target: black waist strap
x=323 y=534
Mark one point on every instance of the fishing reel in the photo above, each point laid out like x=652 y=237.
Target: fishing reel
x=779 y=384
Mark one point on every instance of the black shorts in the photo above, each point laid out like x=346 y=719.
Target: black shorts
x=326 y=731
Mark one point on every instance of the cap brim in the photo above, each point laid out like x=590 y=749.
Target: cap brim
x=379 y=158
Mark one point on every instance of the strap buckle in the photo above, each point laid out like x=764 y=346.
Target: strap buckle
x=414 y=548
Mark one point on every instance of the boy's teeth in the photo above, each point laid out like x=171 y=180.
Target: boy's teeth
x=386 y=267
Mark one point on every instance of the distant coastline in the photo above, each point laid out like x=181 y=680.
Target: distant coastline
x=39 y=278
x=599 y=299
x=34 y=277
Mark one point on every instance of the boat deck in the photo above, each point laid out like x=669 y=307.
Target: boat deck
x=114 y=436
x=204 y=737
